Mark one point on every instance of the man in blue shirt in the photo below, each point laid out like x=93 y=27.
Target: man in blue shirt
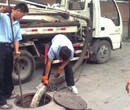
x=6 y=50
x=61 y=49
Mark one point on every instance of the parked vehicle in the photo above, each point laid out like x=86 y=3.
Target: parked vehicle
x=93 y=26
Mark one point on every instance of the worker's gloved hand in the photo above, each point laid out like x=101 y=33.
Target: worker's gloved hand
x=45 y=80
x=59 y=71
x=128 y=86
x=56 y=75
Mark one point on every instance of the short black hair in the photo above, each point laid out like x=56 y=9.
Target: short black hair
x=22 y=6
x=65 y=53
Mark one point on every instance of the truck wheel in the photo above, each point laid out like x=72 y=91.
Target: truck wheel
x=103 y=52
x=26 y=66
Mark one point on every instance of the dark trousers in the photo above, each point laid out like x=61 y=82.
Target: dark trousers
x=69 y=75
x=6 y=67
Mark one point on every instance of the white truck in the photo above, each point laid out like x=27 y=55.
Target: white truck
x=93 y=26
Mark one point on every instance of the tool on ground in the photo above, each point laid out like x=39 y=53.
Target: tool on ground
x=16 y=61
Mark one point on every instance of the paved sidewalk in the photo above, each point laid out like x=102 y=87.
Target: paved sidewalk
x=102 y=86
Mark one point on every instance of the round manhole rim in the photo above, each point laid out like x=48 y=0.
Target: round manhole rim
x=18 y=99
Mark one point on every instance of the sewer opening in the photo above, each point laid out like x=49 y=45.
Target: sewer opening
x=25 y=101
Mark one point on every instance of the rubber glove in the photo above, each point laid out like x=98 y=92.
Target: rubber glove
x=45 y=80
x=59 y=71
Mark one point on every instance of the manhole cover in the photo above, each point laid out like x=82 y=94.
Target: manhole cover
x=70 y=101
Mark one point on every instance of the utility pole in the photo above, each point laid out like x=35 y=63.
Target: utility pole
x=129 y=22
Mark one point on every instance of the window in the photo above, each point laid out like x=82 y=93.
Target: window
x=76 y=4
x=109 y=10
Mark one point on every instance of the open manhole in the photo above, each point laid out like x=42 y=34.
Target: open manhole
x=26 y=99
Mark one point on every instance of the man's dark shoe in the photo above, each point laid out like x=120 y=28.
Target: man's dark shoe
x=6 y=106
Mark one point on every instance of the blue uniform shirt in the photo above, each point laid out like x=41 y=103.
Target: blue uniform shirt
x=5 y=29
x=57 y=42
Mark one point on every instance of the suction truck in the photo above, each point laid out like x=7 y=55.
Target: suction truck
x=93 y=26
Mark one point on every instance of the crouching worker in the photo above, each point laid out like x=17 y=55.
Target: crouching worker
x=61 y=49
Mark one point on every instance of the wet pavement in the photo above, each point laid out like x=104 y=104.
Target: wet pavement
x=102 y=86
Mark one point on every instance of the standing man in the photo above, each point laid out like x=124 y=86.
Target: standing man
x=6 y=50
x=61 y=49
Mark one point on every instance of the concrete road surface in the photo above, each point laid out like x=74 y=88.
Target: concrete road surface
x=102 y=86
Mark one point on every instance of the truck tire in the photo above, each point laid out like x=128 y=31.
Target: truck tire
x=26 y=66
x=103 y=52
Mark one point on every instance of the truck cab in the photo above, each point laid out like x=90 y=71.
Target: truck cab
x=105 y=16
x=106 y=25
